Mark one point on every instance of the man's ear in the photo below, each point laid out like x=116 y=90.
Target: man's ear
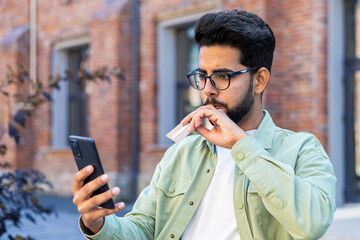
x=261 y=79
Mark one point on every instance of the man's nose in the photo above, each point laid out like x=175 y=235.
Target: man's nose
x=209 y=89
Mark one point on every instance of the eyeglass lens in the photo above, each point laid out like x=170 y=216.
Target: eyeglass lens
x=219 y=80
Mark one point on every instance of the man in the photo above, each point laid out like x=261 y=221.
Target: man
x=243 y=179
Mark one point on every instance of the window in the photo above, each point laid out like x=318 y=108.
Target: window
x=188 y=99
x=69 y=109
x=177 y=54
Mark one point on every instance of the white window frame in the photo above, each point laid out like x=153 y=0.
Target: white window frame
x=336 y=89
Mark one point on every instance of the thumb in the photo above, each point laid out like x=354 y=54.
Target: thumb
x=203 y=131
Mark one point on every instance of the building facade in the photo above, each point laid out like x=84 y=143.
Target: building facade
x=313 y=85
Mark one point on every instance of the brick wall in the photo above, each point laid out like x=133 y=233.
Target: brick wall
x=107 y=25
x=14 y=15
x=299 y=74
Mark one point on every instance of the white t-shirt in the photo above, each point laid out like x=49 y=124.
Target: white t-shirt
x=215 y=217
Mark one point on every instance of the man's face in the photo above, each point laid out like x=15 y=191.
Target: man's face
x=238 y=99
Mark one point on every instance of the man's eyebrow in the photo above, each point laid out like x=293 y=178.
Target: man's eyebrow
x=223 y=70
x=226 y=70
x=200 y=70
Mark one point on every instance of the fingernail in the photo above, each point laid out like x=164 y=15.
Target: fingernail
x=88 y=168
x=115 y=190
x=120 y=205
x=104 y=177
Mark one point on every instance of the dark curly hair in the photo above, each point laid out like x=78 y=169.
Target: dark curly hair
x=239 y=29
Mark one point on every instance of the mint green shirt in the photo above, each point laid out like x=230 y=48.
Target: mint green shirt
x=284 y=188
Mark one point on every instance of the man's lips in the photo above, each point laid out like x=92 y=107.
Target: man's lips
x=217 y=106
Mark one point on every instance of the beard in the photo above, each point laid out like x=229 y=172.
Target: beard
x=237 y=113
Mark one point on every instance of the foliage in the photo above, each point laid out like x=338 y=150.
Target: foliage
x=31 y=94
x=17 y=200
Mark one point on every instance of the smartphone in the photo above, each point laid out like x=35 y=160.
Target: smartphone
x=85 y=153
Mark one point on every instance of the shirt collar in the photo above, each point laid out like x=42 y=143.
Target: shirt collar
x=266 y=131
x=209 y=144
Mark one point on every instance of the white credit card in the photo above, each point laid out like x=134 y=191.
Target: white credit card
x=179 y=132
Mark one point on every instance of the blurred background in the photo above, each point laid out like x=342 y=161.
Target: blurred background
x=314 y=85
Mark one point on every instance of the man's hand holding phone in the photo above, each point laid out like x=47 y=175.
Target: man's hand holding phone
x=88 y=206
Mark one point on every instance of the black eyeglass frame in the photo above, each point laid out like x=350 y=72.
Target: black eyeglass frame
x=230 y=75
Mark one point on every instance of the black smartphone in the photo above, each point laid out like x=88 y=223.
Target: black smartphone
x=85 y=153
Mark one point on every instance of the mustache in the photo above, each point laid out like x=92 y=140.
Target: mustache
x=213 y=101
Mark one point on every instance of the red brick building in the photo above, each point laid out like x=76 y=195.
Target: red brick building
x=152 y=43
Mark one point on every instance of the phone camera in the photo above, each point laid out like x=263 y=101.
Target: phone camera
x=75 y=149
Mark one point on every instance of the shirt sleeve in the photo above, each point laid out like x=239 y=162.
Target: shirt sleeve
x=103 y=233
x=300 y=197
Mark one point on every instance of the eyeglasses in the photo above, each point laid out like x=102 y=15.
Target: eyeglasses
x=219 y=80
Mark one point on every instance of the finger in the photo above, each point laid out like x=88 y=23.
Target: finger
x=203 y=131
x=197 y=118
x=99 y=199
x=95 y=201
x=102 y=212
x=86 y=191
x=79 y=178
x=92 y=186
x=215 y=115
x=192 y=127
x=208 y=106
x=198 y=122
x=188 y=118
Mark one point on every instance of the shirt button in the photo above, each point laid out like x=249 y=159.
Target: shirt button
x=240 y=156
x=191 y=203
x=171 y=189
x=240 y=205
x=172 y=235
x=208 y=170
